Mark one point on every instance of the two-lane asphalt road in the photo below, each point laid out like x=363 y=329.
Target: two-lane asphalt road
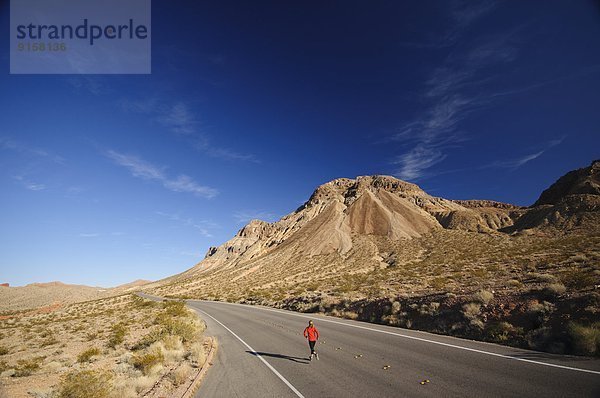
x=262 y=354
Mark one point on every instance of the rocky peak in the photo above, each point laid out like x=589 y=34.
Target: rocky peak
x=581 y=181
x=347 y=190
x=254 y=228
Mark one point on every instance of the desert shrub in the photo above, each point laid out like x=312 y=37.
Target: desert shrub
x=3 y=350
x=439 y=282
x=185 y=328
x=499 y=332
x=578 y=258
x=429 y=309
x=175 y=308
x=477 y=323
x=172 y=342
x=471 y=310
x=145 y=361
x=3 y=366
x=555 y=289
x=26 y=367
x=155 y=335
x=542 y=278
x=539 y=339
x=53 y=366
x=395 y=307
x=139 y=302
x=87 y=355
x=483 y=296
x=181 y=374
x=45 y=333
x=390 y=320
x=117 y=336
x=173 y=354
x=85 y=384
x=197 y=354
x=50 y=340
x=349 y=315
x=143 y=383
x=579 y=279
x=514 y=283
x=543 y=308
x=479 y=273
x=585 y=339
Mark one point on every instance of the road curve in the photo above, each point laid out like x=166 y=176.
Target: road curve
x=262 y=354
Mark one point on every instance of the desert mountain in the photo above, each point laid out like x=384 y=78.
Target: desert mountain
x=340 y=210
x=572 y=202
x=584 y=181
x=354 y=226
x=382 y=250
x=385 y=206
x=35 y=295
x=132 y=286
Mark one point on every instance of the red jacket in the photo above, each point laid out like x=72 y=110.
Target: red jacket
x=311 y=333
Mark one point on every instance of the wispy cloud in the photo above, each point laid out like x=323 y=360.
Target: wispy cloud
x=202 y=226
x=411 y=165
x=181 y=121
x=515 y=163
x=451 y=93
x=89 y=235
x=244 y=216
x=28 y=184
x=141 y=169
x=32 y=162
x=10 y=144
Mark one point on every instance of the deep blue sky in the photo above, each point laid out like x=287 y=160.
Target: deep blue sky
x=251 y=105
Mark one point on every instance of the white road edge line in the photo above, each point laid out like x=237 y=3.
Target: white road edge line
x=298 y=393
x=420 y=339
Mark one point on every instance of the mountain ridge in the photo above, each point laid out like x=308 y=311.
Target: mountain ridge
x=359 y=248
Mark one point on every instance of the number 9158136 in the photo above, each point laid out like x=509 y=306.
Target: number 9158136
x=41 y=46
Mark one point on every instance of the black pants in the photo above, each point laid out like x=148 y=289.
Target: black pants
x=311 y=344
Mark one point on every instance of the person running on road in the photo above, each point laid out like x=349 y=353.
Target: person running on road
x=312 y=334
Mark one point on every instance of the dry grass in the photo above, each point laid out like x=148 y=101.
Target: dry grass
x=88 y=354
x=113 y=347
x=585 y=340
x=86 y=384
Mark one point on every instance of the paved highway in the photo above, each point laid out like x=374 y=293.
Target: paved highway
x=262 y=354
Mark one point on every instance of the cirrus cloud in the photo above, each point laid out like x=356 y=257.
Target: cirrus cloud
x=142 y=169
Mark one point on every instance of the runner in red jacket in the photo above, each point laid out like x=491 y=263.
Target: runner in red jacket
x=312 y=334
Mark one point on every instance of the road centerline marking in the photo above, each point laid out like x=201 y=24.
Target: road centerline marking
x=254 y=352
x=421 y=339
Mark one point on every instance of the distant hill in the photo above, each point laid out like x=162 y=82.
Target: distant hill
x=35 y=295
x=132 y=286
